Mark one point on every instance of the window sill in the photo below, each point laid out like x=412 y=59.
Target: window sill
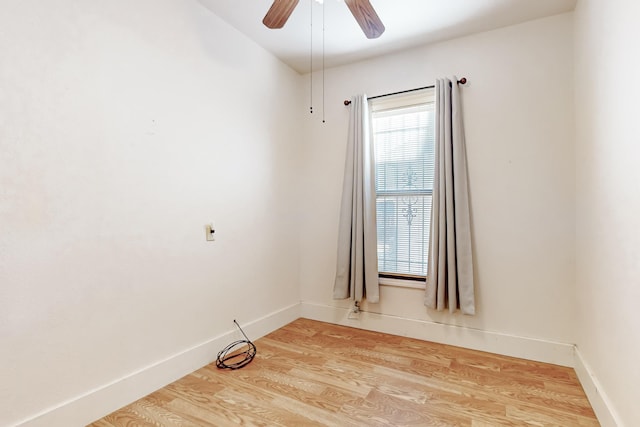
x=399 y=283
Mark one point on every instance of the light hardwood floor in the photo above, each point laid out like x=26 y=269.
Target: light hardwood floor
x=311 y=373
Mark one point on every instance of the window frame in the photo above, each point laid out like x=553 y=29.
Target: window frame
x=397 y=101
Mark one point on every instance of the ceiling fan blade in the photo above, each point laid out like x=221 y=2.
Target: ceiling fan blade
x=279 y=12
x=366 y=17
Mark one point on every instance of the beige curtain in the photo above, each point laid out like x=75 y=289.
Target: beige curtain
x=450 y=264
x=357 y=266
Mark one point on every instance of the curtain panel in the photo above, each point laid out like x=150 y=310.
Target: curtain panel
x=357 y=264
x=450 y=262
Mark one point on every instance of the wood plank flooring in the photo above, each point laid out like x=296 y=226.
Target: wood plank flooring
x=311 y=373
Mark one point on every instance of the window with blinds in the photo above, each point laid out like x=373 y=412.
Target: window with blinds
x=403 y=138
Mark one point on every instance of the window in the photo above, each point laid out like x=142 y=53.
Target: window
x=403 y=137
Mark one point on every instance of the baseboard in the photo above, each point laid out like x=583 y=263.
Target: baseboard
x=95 y=404
x=99 y=402
x=600 y=402
x=492 y=342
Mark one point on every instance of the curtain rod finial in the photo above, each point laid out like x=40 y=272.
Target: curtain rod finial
x=347 y=102
x=463 y=81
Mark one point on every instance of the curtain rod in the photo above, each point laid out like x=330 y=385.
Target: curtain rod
x=461 y=81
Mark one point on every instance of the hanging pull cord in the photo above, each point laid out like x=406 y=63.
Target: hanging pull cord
x=311 y=60
x=231 y=357
x=323 y=55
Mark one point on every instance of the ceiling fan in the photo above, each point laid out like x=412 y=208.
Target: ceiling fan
x=362 y=10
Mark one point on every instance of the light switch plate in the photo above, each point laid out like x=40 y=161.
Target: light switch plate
x=208 y=229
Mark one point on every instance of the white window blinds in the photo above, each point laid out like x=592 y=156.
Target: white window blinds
x=403 y=137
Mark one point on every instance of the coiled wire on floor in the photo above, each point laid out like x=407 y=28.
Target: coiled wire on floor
x=231 y=357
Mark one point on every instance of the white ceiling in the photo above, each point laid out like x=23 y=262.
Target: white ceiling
x=408 y=23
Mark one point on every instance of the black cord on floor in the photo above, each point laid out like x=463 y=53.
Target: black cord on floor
x=231 y=358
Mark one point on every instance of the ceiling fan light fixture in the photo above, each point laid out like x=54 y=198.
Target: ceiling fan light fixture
x=362 y=11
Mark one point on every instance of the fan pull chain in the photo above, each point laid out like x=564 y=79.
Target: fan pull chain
x=311 y=59
x=323 y=62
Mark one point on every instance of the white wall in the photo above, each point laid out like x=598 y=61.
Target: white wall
x=518 y=108
x=608 y=201
x=125 y=127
